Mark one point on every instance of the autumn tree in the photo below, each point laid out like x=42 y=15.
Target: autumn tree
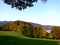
x=43 y=32
x=21 y=4
x=57 y=32
x=38 y=31
x=27 y=30
x=6 y=27
x=35 y=31
x=54 y=31
x=20 y=29
x=1 y=27
x=50 y=36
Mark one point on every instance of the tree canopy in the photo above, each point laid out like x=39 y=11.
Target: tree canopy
x=21 y=4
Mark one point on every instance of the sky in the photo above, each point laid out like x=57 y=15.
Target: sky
x=45 y=14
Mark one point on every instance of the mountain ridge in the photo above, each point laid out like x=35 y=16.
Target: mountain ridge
x=33 y=24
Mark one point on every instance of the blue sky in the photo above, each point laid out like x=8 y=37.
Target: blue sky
x=45 y=14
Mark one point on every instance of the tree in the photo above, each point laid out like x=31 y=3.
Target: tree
x=44 y=1
x=21 y=4
x=20 y=29
x=55 y=31
x=35 y=31
x=43 y=32
x=27 y=30
x=6 y=27
x=1 y=27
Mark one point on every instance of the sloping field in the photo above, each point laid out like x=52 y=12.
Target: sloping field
x=14 y=38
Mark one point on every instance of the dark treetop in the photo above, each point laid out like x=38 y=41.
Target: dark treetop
x=21 y=4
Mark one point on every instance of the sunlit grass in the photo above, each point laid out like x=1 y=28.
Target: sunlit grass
x=15 y=38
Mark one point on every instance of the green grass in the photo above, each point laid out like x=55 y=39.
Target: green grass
x=14 y=38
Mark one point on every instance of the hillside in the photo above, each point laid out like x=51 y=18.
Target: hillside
x=33 y=24
x=5 y=22
x=14 y=38
x=33 y=30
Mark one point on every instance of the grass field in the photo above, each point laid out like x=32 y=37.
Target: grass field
x=14 y=38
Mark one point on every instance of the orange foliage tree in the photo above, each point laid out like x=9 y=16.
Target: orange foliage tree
x=55 y=31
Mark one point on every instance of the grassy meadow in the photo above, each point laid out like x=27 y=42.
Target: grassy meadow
x=14 y=38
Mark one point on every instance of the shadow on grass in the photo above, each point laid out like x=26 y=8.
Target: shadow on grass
x=11 y=40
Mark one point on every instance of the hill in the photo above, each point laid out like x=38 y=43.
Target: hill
x=5 y=22
x=47 y=27
x=14 y=38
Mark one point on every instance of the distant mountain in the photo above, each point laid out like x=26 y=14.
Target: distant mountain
x=3 y=23
x=33 y=24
